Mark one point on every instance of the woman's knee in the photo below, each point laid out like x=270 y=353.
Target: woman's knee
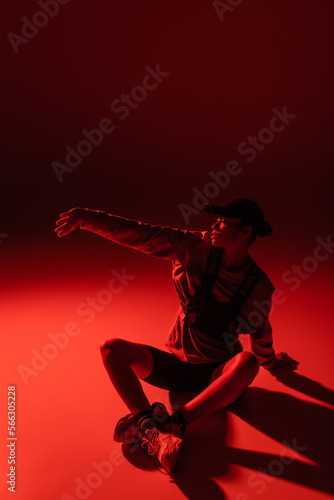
x=248 y=360
x=112 y=349
x=137 y=356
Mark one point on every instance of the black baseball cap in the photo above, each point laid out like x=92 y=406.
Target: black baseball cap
x=241 y=208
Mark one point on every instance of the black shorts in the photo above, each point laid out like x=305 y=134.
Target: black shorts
x=172 y=374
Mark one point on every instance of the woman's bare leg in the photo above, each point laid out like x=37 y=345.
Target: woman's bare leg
x=125 y=363
x=225 y=388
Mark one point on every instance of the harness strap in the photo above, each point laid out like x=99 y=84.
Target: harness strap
x=244 y=291
x=211 y=272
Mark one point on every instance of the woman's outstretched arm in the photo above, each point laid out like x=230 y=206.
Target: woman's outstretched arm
x=161 y=241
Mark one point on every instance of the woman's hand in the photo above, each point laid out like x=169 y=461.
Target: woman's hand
x=70 y=220
x=282 y=359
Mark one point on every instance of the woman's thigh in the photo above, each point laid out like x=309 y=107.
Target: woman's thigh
x=156 y=367
x=170 y=373
x=242 y=359
x=136 y=355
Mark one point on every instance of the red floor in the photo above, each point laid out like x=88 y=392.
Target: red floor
x=274 y=443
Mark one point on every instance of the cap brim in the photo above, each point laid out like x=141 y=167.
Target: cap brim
x=214 y=209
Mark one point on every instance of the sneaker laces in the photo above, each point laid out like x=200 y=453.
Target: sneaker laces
x=153 y=442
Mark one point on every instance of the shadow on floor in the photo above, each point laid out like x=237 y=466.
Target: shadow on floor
x=304 y=385
x=299 y=425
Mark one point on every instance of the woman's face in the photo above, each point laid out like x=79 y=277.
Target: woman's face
x=226 y=232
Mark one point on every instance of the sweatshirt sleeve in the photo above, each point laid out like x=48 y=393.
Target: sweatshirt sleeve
x=256 y=319
x=262 y=344
x=160 y=241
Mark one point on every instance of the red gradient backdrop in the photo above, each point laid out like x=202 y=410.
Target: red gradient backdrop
x=222 y=80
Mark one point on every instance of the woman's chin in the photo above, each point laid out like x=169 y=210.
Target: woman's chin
x=217 y=243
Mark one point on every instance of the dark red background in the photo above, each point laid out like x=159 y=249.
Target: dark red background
x=225 y=78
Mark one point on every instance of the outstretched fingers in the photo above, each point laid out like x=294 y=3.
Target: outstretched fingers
x=65 y=229
x=70 y=212
x=69 y=221
x=61 y=220
x=66 y=225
